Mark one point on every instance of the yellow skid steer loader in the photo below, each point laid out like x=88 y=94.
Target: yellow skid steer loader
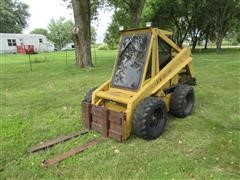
x=151 y=77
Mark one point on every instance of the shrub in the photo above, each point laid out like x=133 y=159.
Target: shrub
x=103 y=47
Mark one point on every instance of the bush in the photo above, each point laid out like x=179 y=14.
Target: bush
x=103 y=47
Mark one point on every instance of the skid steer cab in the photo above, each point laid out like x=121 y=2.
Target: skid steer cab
x=151 y=77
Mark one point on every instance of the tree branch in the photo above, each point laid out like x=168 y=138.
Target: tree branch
x=128 y=3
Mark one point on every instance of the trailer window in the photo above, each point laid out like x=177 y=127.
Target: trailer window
x=131 y=60
x=11 y=42
x=40 y=40
x=21 y=41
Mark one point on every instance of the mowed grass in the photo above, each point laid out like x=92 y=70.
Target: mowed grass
x=45 y=103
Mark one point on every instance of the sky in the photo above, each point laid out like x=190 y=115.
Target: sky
x=42 y=11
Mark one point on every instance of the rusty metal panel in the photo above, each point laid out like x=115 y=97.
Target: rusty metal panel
x=116 y=127
x=97 y=119
x=107 y=122
x=115 y=135
x=86 y=115
x=115 y=117
x=97 y=127
x=98 y=111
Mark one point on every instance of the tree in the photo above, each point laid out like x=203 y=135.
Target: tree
x=183 y=17
x=84 y=12
x=174 y=15
x=208 y=31
x=82 y=33
x=13 y=16
x=196 y=12
x=133 y=8
x=60 y=31
x=194 y=19
x=120 y=18
x=40 y=31
x=127 y=13
x=226 y=13
x=238 y=37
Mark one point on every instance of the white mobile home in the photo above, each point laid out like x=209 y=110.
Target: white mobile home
x=68 y=46
x=10 y=42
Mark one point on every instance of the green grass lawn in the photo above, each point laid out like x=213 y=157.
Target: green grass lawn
x=45 y=103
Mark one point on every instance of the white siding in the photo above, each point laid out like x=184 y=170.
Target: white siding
x=25 y=39
x=68 y=46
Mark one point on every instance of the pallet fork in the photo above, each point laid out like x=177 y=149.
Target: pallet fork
x=60 y=139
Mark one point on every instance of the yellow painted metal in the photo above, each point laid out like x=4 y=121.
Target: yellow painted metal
x=147 y=59
x=123 y=100
x=165 y=75
x=156 y=60
x=166 y=99
x=169 y=41
x=121 y=91
x=103 y=87
x=114 y=96
x=114 y=106
x=155 y=64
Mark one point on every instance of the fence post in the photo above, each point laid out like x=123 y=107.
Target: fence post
x=66 y=57
x=30 y=62
x=95 y=56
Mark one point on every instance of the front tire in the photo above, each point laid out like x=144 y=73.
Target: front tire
x=182 y=101
x=88 y=96
x=150 y=118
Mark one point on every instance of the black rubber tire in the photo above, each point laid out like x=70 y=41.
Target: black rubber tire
x=88 y=96
x=182 y=101
x=150 y=118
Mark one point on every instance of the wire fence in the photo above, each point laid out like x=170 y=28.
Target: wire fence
x=61 y=57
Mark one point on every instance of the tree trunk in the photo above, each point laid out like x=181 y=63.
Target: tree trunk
x=206 y=41
x=135 y=19
x=219 y=40
x=136 y=12
x=180 y=40
x=194 y=43
x=82 y=33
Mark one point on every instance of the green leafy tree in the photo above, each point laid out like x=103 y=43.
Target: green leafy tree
x=208 y=33
x=13 y=16
x=60 y=31
x=94 y=6
x=40 y=31
x=232 y=38
x=173 y=15
x=233 y=35
x=120 y=18
x=127 y=13
x=196 y=14
x=225 y=13
x=238 y=37
x=132 y=8
x=194 y=19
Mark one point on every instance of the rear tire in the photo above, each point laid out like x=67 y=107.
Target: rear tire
x=182 y=101
x=88 y=96
x=150 y=118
